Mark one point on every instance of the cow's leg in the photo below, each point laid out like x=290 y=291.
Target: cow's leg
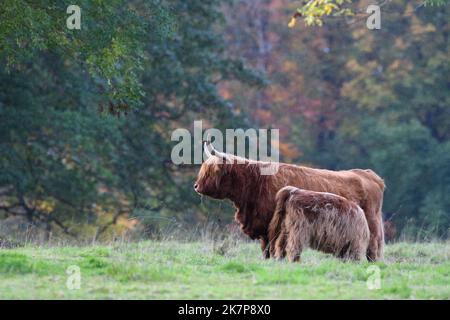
x=281 y=247
x=278 y=244
x=376 y=242
x=272 y=247
x=381 y=237
x=265 y=248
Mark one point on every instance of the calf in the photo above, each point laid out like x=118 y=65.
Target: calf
x=319 y=220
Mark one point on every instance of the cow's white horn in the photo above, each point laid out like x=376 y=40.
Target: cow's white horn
x=205 y=144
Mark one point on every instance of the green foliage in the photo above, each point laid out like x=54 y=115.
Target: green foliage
x=313 y=12
x=384 y=105
x=111 y=43
x=400 y=96
x=81 y=143
x=414 y=193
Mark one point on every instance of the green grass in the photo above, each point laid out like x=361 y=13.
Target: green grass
x=175 y=270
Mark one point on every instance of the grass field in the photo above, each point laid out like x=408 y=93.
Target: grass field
x=177 y=270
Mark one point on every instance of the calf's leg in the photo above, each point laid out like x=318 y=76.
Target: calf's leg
x=294 y=236
x=280 y=245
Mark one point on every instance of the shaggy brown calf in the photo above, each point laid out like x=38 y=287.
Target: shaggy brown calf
x=225 y=176
x=319 y=220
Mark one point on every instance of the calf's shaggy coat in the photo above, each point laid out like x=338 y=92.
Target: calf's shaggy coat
x=225 y=176
x=319 y=220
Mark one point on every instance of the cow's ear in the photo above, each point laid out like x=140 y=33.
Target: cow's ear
x=216 y=169
x=226 y=167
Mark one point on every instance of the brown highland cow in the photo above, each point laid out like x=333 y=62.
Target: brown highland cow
x=318 y=220
x=225 y=176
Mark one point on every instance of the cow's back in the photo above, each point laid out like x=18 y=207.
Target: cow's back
x=361 y=186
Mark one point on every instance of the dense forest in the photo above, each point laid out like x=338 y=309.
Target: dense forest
x=87 y=115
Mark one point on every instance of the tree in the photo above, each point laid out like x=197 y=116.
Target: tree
x=313 y=12
x=345 y=97
x=110 y=44
x=83 y=148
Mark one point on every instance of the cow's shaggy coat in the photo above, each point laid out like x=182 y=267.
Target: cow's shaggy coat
x=253 y=194
x=319 y=220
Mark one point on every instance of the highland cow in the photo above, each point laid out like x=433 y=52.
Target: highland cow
x=318 y=220
x=225 y=176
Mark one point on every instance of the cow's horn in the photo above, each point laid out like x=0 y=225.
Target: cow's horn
x=219 y=154
x=211 y=151
x=206 y=144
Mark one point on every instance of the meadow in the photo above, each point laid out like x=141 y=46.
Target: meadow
x=210 y=270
